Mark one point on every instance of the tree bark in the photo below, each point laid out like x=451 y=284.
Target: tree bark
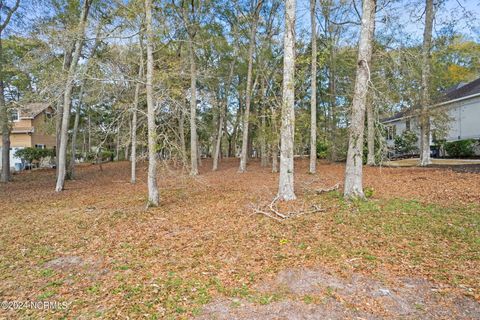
x=263 y=129
x=153 y=197
x=5 y=127
x=4 y=117
x=133 y=155
x=313 y=89
x=274 y=147
x=248 y=93
x=71 y=169
x=218 y=142
x=181 y=133
x=117 y=142
x=332 y=88
x=193 y=109
x=286 y=180
x=425 y=100
x=370 y=133
x=62 y=152
x=353 y=170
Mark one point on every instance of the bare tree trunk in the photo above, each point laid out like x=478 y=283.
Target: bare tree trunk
x=263 y=139
x=332 y=88
x=4 y=117
x=127 y=144
x=248 y=93
x=221 y=123
x=370 y=133
x=274 y=146
x=181 y=133
x=218 y=141
x=153 y=197
x=5 y=127
x=62 y=152
x=313 y=89
x=133 y=155
x=71 y=169
x=67 y=61
x=424 y=118
x=117 y=142
x=286 y=180
x=353 y=170
x=263 y=128
x=193 y=110
x=199 y=152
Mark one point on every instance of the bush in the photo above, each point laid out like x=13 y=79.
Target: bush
x=322 y=149
x=459 y=149
x=31 y=154
x=103 y=155
x=406 y=143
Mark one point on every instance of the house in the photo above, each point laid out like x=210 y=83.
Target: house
x=459 y=105
x=31 y=127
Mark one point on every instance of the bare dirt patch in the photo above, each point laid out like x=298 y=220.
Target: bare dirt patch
x=353 y=297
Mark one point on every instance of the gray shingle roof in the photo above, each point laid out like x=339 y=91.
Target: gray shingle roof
x=459 y=91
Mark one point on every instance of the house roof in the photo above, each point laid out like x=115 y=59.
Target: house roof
x=461 y=90
x=402 y=114
x=31 y=110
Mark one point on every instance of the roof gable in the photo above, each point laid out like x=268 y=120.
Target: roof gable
x=31 y=110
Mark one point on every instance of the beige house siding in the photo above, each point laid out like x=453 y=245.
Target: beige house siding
x=33 y=128
x=20 y=140
x=41 y=134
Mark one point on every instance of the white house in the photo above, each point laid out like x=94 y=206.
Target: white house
x=460 y=104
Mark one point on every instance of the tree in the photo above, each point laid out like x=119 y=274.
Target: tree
x=353 y=171
x=248 y=92
x=370 y=133
x=313 y=89
x=62 y=152
x=4 y=117
x=191 y=26
x=71 y=169
x=153 y=197
x=286 y=180
x=425 y=98
x=133 y=154
x=223 y=110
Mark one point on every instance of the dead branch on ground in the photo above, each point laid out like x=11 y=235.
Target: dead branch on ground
x=272 y=211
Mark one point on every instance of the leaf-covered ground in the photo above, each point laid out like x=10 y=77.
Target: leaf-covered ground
x=97 y=249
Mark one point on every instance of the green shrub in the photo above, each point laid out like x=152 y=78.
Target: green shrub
x=462 y=148
x=31 y=154
x=322 y=149
x=103 y=155
x=406 y=143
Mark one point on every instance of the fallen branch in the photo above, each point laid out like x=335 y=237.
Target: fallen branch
x=273 y=212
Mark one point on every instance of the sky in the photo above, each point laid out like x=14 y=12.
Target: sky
x=462 y=15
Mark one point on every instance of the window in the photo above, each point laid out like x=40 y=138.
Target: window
x=407 y=124
x=48 y=115
x=14 y=115
x=40 y=146
x=391 y=132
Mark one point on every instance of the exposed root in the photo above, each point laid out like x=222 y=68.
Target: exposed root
x=323 y=190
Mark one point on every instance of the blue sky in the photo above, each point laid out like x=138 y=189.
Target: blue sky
x=462 y=15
